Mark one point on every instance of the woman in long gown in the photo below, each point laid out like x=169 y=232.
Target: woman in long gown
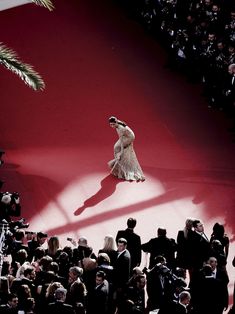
x=125 y=164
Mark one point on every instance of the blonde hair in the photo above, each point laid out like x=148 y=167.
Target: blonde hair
x=109 y=243
x=188 y=226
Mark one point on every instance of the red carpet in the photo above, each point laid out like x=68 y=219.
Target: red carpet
x=97 y=63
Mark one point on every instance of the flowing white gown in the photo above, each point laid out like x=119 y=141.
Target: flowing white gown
x=127 y=166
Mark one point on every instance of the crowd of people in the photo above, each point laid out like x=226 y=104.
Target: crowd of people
x=199 y=37
x=183 y=275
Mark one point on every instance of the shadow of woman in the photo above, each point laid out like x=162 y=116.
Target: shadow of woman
x=108 y=187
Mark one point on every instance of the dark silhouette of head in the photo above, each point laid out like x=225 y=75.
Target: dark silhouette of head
x=131 y=223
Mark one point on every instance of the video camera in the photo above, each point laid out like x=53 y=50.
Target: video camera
x=9 y=205
x=38 y=234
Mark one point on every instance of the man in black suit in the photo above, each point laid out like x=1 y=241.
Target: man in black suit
x=136 y=292
x=98 y=297
x=221 y=275
x=133 y=242
x=159 y=286
x=121 y=271
x=59 y=306
x=208 y=293
x=76 y=288
x=181 y=306
x=12 y=305
x=161 y=245
x=122 y=264
x=199 y=246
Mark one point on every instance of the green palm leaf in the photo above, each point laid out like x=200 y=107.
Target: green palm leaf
x=44 y=3
x=10 y=60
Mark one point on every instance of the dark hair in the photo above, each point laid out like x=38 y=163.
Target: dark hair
x=39 y=252
x=122 y=240
x=139 y=277
x=206 y=270
x=159 y=259
x=54 y=267
x=161 y=232
x=218 y=230
x=42 y=235
x=28 y=271
x=19 y=234
x=115 y=120
x=196 y=222
x=86 y=251
x=11 y=296
x=101 y=274
x=29 y=304
x=131 y=223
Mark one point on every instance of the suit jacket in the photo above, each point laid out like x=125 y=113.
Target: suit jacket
x=133 y=245
x=183 y=255
x=6 y=309
x=76 y=293
x=199 y=249
x=179 y=309
x=98 y=299
x=161 y=246
x=159 y=290
x=122 y=269
x=17 y=282
x=222 y=277
x=60 y=308
x=208 y=296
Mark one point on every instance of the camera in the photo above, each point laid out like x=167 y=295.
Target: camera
x=9 y=205
x=18 y=224
x=8 y=229
x=41 y=234
x=30 y=232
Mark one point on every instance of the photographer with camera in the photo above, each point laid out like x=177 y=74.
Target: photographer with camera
x=162 y=284
x=135 y=292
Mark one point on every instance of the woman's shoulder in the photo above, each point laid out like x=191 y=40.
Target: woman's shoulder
x=121 y=127
x=127 y=130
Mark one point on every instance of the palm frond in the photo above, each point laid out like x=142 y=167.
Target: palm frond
x=10 y=60
x=44 y=3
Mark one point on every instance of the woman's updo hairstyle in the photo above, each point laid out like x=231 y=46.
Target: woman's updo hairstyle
x=115 y=120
